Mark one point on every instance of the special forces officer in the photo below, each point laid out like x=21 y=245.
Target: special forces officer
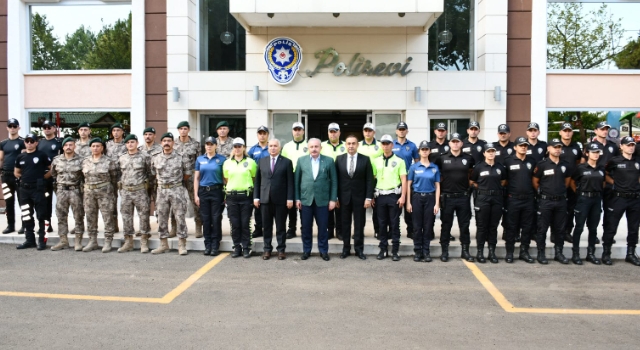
x=225 y=143
x=520 y=207
x=9 y=150
x=30 y=168
x=551 y=179
x=135 y=170
x=572 y=154
x=455 y=168
x=189 y=148
x=115 y=148
x=150 y=146
x=334 y=147
x=170 y=169
x=293 y=150
x=82 y=144
x=407 y=150
x=100 y=182
x=370 y=148
x=537 y=148
x=504 y=147
x=390 y=194
x=51 y=146
x=472 y=145
x=623 y=172
x=67 y=170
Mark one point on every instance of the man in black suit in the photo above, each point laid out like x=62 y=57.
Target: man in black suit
x=273 y=195
x=355 y=191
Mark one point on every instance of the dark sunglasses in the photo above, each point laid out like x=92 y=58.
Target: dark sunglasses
x=29 y=141
x=12 y=126
x=48 y=127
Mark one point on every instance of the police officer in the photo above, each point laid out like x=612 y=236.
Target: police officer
x=293 y=150
x=440 y=145
x=259 y=150
x=189 y=148
x=371 y=148
x=224 y=142
x=171 y=170
x=239 y=172
x=520 y=207
x=332 y=148
x=51 y=146
x=472 y=145
x=390 y=194
x=100 y=182
x=82 y=144
x=455 y=167
x=504 y=147
x=488 y=179
x=423 y=185
x=30 y=168
x=407 y=150
x=537 y=148
x=623 y=172
x=609 y=150
x=587 y=182
x=572 y=154
x=9 y=150
x=115 y=148
x=135 y=175
x=550 y=180
x=67 y=170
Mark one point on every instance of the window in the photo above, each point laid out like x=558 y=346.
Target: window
x=386 y=124
x=282 y=123
x=451 y=37
x=80 y=37
x=222 y=38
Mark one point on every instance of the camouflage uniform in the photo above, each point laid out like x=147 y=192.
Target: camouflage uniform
x=83 y=149
x=169 y=170
x=191 y=151
x=114 y=151
x=155 y=149
x=135 y=171
x=225 y=148
x=100 y=178
x=68 y=174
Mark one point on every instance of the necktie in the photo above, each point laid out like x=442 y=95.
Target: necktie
x=351 y=167
x=273 y=164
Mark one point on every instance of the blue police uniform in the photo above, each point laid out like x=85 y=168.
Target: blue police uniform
x=211 y=194
x=423 y=200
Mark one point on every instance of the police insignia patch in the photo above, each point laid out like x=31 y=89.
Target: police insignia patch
x=36 y=160
x=245 y=164
x=479 y=148
x=498 y=171
x=464 y=161
x=433 y=170
x=563 y=168
x=16 y=146
x=407 y=148
x=529 y=165
x=539 y=150
x=342 y=149
x=509 y=150
x=446 y=148
x=637 y=166
x=601 y=173
x=53 y=147
x=375 y=147
x=393 y=164
x=283 y=57
x=610 y=149
x=575 y=152
x=304 y=149
x=218 y=161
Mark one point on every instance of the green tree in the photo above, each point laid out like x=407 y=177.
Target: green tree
x=46 y=51
x=112 y=47
x=77 y=47
x=580 y=39
x=583 y=121
x=629 y=57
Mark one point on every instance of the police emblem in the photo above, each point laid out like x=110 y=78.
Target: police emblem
x=509 y=150
x=245 y=164
x=304 y=149
x=528 y=165
x=393 y=164
x=433 y=170
x=446 y=148
x=601 y=172
x=637 y=166
x=479 y=148
x=375 y=147
x=575 y=151
x=498 y=171
x=283 y=57
x=35 y=160
x=563 y=168
x=539 y=150
x=342 y=149
x=464 y=161
x=53 y=147
x=610 y=149
x=218 y=161
x=16 y=146
x=407 y=148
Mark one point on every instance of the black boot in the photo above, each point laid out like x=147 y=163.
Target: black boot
x=576 y=256
x=409 y=234
x=382 y=254
x=291 y=233
x=426 y=255
x=591 y=255
x=492 y=254
x=480 y=255
x=606 y=255
x=417 y=256
x=395 y=257
x=42 y=245
x=465 y=253
x=524 y=254
x=444 y=256
x=30 y=241
x=542 y=258
x=339 y=235
x=509 y=257
x=559 y=256
x=21 y=230
x=631 y=255
x=9 y=229
x=237 y=251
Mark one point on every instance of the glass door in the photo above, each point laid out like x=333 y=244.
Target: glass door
x=455 y=123
x=386 y=123
x=282 y=123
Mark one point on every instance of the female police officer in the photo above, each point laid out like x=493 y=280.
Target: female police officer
x=100 y=181
x=488 y=179
x=424 y=201
x=208 y=194
x=239 y=172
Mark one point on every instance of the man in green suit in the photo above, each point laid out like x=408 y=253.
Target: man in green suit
x=316 y=193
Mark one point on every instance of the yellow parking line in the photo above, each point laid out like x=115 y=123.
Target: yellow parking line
x=508 y=307
x=169 y=297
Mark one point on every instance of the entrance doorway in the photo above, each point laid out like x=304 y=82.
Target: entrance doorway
x=454 y=124
x=237 y=125
x=350 y=122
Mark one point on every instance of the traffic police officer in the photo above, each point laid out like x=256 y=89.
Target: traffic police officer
x=623 y=172
x=504 y=147
x=551 y=179
x=407 y=150
x=189 y=148
x=9 y=150
x=82 y=144
x=455 y=167
x=370 y=148
x=520 y=207
x=51 y=146
x=67 y=170
x=572 y=154
x=488 y=178
x=537 y=148
x=472 y=145
x=390 y=190
x=239 y=171
x=334 y=147
x=30 y=168
x=259 y=150
x=293 y=150
x=587 y=182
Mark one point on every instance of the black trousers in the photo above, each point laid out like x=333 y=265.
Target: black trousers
x=257 y=216
x=211 y=208
x=461 y=206
x=488 y=213
x=32 y=200
x=422 y=205
x=519 y=217
x=572 y=200
x=48 y=185
x=271 y=212
x=335 y=222
x=9 y=196
x=587 y=210
x=389 y=220
x=356 y=212
x=239 y=210
x=551 y=214
x=616 y=207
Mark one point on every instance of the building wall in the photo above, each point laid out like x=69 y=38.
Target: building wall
x=519 y=66
x=156 y=64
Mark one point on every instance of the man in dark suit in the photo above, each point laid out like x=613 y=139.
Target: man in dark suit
x=316 y=194
x=355 y=191
x=273 y=196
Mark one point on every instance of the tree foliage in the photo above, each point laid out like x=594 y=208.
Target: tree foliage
x=45 y=48
x=581 y=39
x=629 y=57
x=456 y=54
x=584 y=121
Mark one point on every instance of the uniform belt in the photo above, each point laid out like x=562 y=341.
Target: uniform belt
x=521 y=196
x=590 y=194
x=68 y=187
x=627 y=194
x=455 y=195
x=211 y=188
x=552 y=198
x=96 y=186
x=28 y=184
x=171 y=185
x=379 y=192
x=234 y=193
x=423 y=194
x=490 y=192
x=134 y=188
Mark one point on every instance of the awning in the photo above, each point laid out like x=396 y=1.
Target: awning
x=630 y=115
